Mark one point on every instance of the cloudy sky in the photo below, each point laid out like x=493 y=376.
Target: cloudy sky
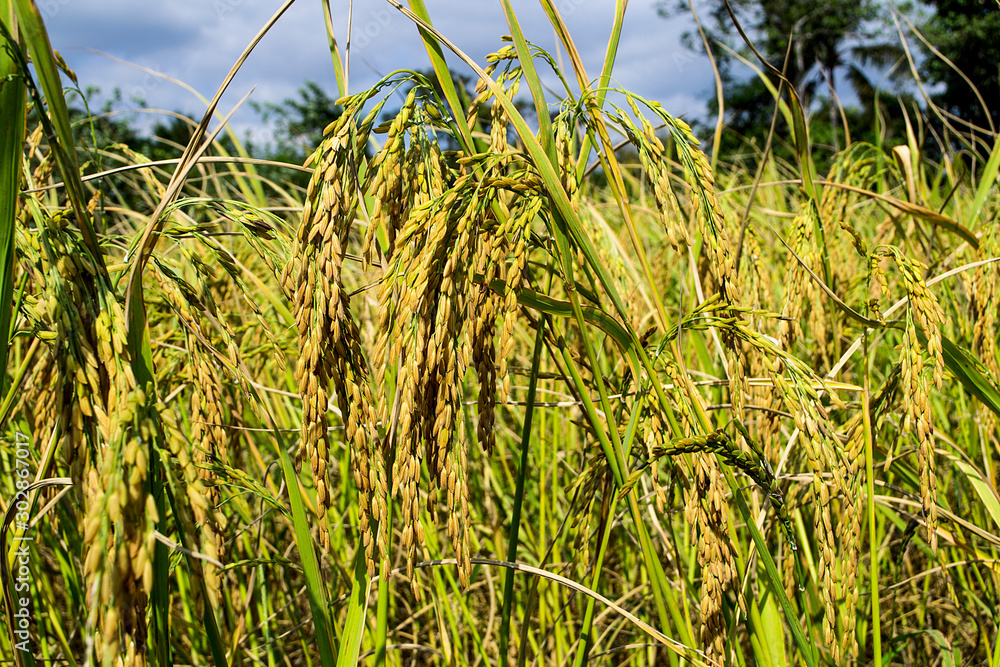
x=197 y=41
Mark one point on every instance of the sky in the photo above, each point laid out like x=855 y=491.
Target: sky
x=197 y=41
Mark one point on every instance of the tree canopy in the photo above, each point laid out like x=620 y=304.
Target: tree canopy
x=817 y=43
x=967 y=33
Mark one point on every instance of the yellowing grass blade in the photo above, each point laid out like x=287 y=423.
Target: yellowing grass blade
x=531 y=77
x=916 y=210
x=433 y=45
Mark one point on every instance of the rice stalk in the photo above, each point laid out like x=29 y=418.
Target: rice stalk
x=328 y=336
x=917 y=378
x=986 y=290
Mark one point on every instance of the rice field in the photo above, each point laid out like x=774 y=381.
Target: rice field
x=559 y=391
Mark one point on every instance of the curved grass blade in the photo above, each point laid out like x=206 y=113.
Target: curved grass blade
x=192 y=152
x=916 y=210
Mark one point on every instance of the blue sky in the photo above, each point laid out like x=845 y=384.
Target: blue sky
x=197 y=41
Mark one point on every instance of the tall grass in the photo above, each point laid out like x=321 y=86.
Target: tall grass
x=468 y=404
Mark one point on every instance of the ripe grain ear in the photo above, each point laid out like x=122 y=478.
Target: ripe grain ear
x=329 y=340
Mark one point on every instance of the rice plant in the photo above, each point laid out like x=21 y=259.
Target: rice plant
x=470 y=403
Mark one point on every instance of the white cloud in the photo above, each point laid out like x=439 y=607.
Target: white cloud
x=197 y=41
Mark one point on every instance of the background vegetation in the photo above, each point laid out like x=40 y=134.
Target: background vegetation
x=504 y=375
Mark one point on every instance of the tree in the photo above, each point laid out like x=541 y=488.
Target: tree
x=966 y=33
x=819 y=29
x=830 y=38
x=300 y=122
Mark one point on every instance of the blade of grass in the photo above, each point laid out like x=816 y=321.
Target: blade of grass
x=607 y=158
x=12 y=105
x=984 y=489
x=966 y=368
x=610 y=55
x=534 y=83
x=36 y=39
x=338 y=65
x=354 y=628
x=522 y=473
x=719 y=97
x=586 y=640
x=873 y=540
x=432 y=42
x=987 y=181
x=315 y=589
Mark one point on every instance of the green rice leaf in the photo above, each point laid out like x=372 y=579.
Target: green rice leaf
x=315 y=589
x=984 y=489
x=354 y=629
x=36 y=39
x=968 y=370
x=12 y=103
x=987 y=180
